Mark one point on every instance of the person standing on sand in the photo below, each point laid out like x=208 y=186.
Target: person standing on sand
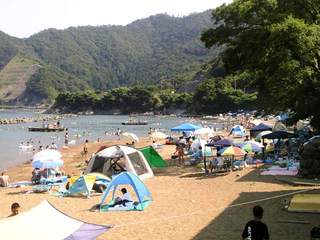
x=66 y=138
x=4 y=180
x=85 y=147
x=255 y=229
x=180 y=153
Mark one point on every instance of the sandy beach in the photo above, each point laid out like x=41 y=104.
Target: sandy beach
x=186 y=203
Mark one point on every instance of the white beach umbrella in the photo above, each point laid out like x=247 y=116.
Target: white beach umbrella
x=131 y=136
x=47 y=158
x=204 y=133
x=158 y=135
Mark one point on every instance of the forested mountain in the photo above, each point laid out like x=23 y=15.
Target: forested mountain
x=148 y=51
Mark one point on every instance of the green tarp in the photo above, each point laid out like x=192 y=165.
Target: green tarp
x=153 y=157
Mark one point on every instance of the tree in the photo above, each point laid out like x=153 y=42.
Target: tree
x=278 y=43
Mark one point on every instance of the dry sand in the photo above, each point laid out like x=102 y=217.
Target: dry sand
x=187 y=204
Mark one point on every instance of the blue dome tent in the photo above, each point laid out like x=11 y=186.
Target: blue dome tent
x=141 y=191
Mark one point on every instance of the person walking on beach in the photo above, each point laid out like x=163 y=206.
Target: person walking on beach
x=255 y=229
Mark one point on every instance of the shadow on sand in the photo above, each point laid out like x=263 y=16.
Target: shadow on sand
x=230 y=223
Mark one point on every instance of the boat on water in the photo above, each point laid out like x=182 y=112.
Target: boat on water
x=46 y=129
x=134 y=122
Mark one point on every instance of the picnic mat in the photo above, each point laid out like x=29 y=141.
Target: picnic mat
x=305 y=203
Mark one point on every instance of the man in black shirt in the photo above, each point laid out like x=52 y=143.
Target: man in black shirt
x=255 y=229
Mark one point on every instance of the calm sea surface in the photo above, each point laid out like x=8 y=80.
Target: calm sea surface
x=89 y=127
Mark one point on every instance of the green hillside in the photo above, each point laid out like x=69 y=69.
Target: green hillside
x=157 y=49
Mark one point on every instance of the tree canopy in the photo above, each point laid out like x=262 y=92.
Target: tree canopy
x=277 y=43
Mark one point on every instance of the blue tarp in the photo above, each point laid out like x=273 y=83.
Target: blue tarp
x=185 y=127
x=127 y=178
x=261 y=127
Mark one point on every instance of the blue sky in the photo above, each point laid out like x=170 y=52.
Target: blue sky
x=22 y=18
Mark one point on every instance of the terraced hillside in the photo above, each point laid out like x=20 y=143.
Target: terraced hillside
x=14 y=76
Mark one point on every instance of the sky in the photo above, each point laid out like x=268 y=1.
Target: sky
x=22 y=18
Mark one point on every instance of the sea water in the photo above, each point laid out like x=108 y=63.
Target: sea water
x=80 y=128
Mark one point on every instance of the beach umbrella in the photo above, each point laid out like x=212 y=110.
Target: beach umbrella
x=232 y=151
x=204 y=132
x=158 y=135
x=186 y=127
x=259 y=136
x=131 y=136
x=223 y=143
x=251 y=146
x=47 y=158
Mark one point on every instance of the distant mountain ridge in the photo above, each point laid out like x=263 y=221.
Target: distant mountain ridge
x=100 y=58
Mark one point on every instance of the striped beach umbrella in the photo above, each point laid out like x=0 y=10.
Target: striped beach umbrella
x=232 y=151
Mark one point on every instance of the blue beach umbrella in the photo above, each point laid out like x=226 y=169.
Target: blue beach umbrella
x=186 y=127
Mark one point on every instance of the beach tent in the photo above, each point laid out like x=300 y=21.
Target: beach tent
x=186 y=127
x=258 y=129
x=46 y=222
x=115 y=159
x=238 y=131
x=142 y=193
x=153 y=157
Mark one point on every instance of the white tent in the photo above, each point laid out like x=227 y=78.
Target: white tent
x=115 y=159
x=46 y=222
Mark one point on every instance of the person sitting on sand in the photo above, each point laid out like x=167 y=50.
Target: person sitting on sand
x=255 y=229
x=125 y=200
x=4 y=180
x=197 y=156
x=15 y=208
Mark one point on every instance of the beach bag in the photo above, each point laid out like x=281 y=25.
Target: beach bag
x=315 y=233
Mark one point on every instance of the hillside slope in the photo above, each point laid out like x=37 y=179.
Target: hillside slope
x=14 y=77
x=146 y=51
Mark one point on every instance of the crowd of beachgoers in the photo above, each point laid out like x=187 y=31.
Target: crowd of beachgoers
x=207 y=170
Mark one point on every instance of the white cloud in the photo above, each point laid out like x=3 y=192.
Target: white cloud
x=23 y=18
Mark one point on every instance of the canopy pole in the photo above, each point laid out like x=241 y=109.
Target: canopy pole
x=204 y=161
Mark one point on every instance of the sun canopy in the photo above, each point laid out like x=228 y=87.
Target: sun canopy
x=185 y=127
x=279 y=135
x=261 y=127
x=46 y=222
